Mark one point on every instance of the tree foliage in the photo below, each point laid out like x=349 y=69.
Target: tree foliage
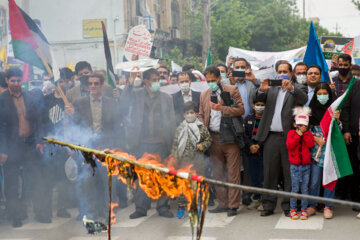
x=176 y=55
x=262 y=25
x=356 y=3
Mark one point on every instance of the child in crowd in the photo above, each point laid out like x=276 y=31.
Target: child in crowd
x=299 y=141
x=254 y=150
x=191 y=140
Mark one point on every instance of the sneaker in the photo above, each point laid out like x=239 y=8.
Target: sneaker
x=328 y=214
x=358 y=216
x=293 y=214
x=181 y=212
x=260 y=208
x=311 y=211
x=254 y=205
x=304 y=215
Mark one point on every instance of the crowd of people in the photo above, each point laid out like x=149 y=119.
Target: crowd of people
x=242 y=130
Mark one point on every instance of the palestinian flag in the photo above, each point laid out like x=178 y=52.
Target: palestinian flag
x=336 y=162
x=29 y=43
x=109 y=66
x=348 y=48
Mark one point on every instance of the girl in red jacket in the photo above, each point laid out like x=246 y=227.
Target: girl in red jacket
x=299 y=141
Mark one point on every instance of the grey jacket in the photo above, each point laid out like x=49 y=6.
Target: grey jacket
x=292 y=99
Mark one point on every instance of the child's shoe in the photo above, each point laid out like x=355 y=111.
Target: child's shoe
x=181 y=212
x=293 y=214
x=304 y=215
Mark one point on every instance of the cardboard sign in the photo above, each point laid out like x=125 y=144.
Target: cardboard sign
x=92 y=28
x=139 y=42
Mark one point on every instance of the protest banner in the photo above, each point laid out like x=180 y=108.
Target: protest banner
x=139 y=42
x=336 y=45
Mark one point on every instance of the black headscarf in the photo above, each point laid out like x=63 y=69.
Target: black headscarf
x=317 y=109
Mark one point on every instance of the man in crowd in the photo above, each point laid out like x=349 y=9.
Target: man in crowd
x=300 y=73
x=225 y=153
x=68 y=76
x=55 y=156
x=224 y=73
x=81 y=89
x=342 y=81
x=277 y=120
x=350 y=117
x=151 y=130
x=355 y=71
x=313 y=78
x=99 y=119
x=164 y=75
x=20 y=147
x=184 y=95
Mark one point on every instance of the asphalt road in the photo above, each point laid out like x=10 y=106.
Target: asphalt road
x=246 y=225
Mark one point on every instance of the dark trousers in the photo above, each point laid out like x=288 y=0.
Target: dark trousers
x=226 y=164
x=142 y=201
x=276 y=164
x=350 y=184
x=28 y=160
x=256 y=172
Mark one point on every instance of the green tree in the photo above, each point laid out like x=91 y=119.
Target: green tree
x=176 y=55
x=356 y=3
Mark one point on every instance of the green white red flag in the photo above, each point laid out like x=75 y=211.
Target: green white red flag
x=348 y=48
x=29 y=43
x=336 y=162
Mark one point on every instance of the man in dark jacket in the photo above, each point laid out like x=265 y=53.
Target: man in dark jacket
x=184 y=95
x=20 y=148
x=350 y=116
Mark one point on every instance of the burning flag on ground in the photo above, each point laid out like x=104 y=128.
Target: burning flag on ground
x=336 y=162
x=29 y=43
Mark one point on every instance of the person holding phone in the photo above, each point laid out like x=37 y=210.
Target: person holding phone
x=225 y=154
x=273 y=129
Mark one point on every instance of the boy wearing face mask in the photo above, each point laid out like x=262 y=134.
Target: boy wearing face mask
x=184 y=95
x=254 y=149
x=191 y=140
x=342 y=81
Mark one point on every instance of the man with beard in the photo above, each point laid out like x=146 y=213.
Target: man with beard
x=313 y=78
x=164 y=75
x=20 y=148
x=342 y=81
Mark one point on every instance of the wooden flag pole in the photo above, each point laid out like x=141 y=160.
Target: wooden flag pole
x=331 y=80
x=48 y=69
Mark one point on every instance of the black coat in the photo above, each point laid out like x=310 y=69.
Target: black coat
x=111 y=120
x=179 y=104
x=351 y=111
x=9 y=121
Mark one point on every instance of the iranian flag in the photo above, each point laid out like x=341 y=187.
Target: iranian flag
x=336 y=162
x=29 y=43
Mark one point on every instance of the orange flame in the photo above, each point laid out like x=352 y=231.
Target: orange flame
x=113 y=215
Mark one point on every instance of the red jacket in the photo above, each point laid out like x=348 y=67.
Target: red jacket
x=299 y=152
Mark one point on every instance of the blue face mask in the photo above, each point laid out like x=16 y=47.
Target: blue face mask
x=213 y=86
x=323 y=99
x=283 y=76
x=224 y=79
x=155 y=86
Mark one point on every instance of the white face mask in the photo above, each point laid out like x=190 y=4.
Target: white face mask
x=190 y=118
x=185 y=87
x=137 y=82
x=259 y=109
x=301 y=79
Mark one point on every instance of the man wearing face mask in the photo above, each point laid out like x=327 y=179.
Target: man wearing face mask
x=151 y=130
x=342 y=81
x=277 y=120
x=164 y=75
x=224 y=74
x=313 y=78
x=225 y=154
x=300 y=73
x=184 y=95
x=247 y=85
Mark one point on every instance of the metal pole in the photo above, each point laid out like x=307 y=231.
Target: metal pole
x=115 y=43
x=303 y=8
x=207 y=180
x=206 y=29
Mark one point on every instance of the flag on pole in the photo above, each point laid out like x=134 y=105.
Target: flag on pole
x=336 y=162
x=348 y=48
x=3 y=57
x=208 y=58
x=29 y=43
x=109 y=66
x=314 y=54
x=26 y=76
